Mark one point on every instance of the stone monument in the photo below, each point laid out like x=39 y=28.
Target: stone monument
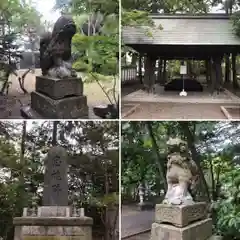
x=58 y=92
x=55 y=220
x=179 y=217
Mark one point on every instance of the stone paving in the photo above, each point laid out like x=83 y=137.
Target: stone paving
x=176 y=111
x=161 y=96
x=169 y=105
x=142 y=236
x=136 y=222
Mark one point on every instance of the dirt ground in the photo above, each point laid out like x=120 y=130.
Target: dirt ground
x=10 y=105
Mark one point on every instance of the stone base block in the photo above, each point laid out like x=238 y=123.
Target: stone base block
x=54 y=232
x=201 y=230
x=66 y=108
x=54 y=211
x=180 y=215
x=59 y=88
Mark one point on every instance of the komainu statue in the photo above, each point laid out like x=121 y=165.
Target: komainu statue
x=55 y=49
x=182 y=173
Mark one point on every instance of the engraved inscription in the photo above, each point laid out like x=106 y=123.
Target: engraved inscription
x=55 y=178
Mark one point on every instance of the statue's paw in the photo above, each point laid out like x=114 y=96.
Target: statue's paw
x=176 y=201
x=165 y=201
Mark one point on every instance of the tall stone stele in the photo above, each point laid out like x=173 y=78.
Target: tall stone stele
x=179 y=217
x=55 y=220
x=58 y=92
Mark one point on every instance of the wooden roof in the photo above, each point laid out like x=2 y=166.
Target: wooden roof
x=210 y=29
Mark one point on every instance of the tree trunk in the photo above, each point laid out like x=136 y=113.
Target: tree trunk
x=24 y=132
x=54 y=133
x=23 y=164
x=158 y=158
x=195 y=155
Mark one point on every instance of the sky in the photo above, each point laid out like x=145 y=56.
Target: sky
x=45 y=7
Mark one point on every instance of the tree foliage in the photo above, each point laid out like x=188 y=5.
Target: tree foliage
x=215 y=148
x=93 y=169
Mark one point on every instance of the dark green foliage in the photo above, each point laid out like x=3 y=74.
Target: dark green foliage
x=236 y=23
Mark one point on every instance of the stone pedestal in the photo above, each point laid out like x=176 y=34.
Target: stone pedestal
x=57 y=98
x=181 y=222
x=180 y=215
x=200 y=230
x=52 y=223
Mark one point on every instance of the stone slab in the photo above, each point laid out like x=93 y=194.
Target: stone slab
x=180 y=215
x=59 y=88
x=54 y=211
x=201 y=230
x=66 y=108
x=52 y=221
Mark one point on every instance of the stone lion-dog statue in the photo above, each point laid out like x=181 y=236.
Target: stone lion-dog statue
x=182 y=173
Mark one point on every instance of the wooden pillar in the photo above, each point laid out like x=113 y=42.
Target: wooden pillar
x=159 y=75
x=219 y=75
x=149 y=75
x=227 y=68
x=140 y=68
x=213 y=75
x=207 y=67
x=164 y=75
x=234 y=73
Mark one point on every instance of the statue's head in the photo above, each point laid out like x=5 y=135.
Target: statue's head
x=64 y=27
x=177 y=145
